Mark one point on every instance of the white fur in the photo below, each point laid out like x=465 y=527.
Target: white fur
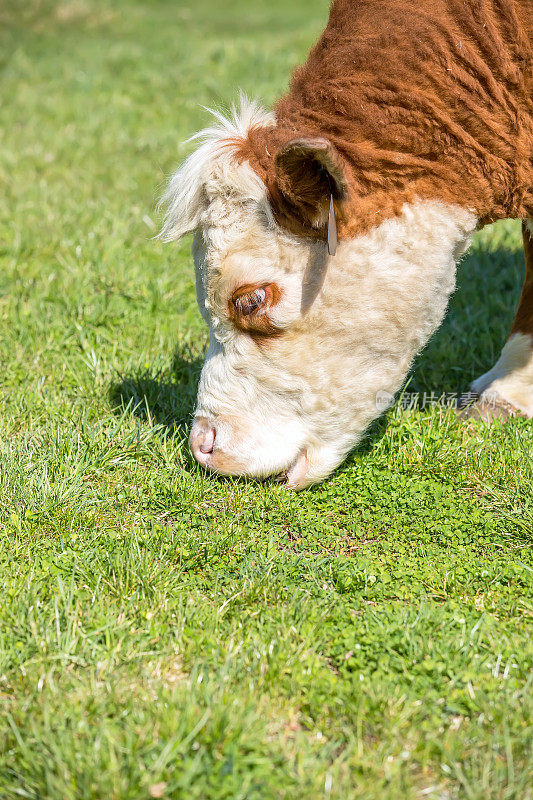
x=352 y=323
x=511 y=378
x=183 y=198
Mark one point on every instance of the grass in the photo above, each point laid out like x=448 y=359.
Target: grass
x=164 y=633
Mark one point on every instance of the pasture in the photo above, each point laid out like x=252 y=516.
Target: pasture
x=166 y=633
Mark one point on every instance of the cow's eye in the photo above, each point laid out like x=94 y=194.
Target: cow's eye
x=250 y=306
x=250 y=301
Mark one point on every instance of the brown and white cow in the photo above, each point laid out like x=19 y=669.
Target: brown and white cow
x=416 y=121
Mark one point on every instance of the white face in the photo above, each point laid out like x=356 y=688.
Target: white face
x=265 y=389
x=305 y=346
x=305 y=349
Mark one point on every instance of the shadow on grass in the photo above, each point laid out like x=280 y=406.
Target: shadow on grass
x=166 y=398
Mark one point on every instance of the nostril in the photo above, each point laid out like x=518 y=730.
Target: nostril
x=209 y=442
x=202 y=439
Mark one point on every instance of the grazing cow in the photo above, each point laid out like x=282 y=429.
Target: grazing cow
x=409 y=127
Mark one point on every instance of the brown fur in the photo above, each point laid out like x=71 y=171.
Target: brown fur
x=430 y=100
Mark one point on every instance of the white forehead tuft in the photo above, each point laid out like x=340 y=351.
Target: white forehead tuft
x=213 y=169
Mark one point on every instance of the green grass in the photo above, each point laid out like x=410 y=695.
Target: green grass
x=167 y=633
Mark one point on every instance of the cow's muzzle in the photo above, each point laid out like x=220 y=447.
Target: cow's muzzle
x=208 y=451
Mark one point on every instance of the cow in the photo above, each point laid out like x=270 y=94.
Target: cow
x=327 y=232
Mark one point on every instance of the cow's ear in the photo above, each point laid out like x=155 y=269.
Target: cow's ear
x=308 y=173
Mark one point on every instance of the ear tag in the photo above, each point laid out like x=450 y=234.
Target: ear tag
x=332 y=228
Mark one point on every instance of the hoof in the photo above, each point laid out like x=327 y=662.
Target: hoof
x=486 y=408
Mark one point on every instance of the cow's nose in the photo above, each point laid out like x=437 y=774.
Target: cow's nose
x=202 y=439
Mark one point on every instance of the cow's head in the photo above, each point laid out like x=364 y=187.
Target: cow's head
x=306 y=349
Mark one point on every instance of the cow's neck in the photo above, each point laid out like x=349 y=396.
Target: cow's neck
x=433 y=104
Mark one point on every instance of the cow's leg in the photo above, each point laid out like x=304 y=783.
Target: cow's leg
x=507 y=388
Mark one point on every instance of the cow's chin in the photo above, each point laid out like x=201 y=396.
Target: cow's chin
x=294 y=476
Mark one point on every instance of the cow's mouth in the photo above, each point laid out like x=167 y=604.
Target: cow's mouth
x=295 y=476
